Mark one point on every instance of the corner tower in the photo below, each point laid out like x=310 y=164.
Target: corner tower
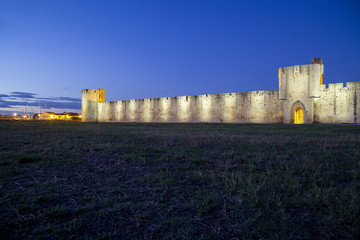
x=89 y=103
x=299 y=88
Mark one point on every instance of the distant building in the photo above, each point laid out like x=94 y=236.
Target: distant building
x=59 y=116
x=46 y=115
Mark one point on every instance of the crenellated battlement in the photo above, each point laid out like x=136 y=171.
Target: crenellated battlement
x=347 y=86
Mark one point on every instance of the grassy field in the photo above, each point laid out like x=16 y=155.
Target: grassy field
x=72 y=180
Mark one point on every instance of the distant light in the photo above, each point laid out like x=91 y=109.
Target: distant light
x=15 y=114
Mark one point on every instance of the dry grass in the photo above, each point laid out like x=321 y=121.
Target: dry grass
x=71 y=180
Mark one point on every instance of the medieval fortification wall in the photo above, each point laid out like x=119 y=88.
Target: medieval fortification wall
x=300 y=87
x=338 y=103
x=257 y=107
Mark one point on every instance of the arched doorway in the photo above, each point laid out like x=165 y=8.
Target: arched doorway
x=298 y=113
x=299 y=116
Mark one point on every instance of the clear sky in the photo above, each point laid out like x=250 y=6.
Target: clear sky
x=141 y=49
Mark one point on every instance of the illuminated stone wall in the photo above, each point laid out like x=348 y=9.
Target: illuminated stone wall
x=338 y=103
x=300 y=86
x=248 y=107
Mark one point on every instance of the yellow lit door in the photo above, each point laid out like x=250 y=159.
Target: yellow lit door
x=299 y=116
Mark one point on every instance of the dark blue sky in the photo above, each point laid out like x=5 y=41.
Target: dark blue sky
x=142 y=49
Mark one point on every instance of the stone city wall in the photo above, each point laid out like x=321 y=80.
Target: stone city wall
x=338 y=103
x=239 y=107
x=301 y=98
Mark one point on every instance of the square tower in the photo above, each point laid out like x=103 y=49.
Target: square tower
x=299 y=87
x=89 y=103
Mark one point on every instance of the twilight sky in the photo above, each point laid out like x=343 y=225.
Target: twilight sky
x=141 y=49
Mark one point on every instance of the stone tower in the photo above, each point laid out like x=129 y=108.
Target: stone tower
x=299 y=89
x=89 y=103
